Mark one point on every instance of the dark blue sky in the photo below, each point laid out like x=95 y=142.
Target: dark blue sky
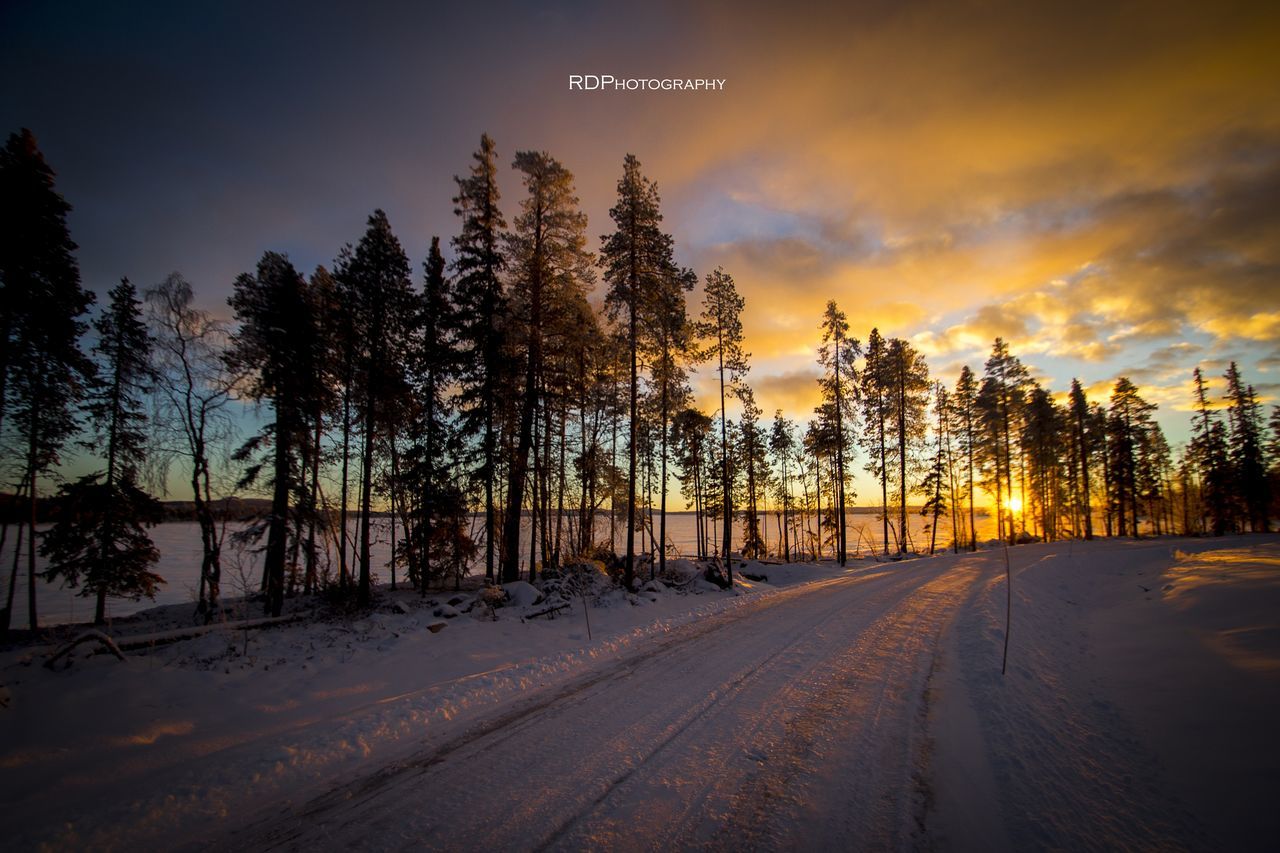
x=195 y=138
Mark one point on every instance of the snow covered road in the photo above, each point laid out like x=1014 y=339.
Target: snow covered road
x=855 y=710
x=793 y=722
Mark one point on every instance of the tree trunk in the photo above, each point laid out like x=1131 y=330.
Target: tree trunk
x=902 y=459
x=842 y=547
x=884 y=478
x=364 y=590
x=727 y=497
x=277 y=532
x=515 y=488
x=662 y=533
x=343 y=577
x=310 y=580
x=628 y=576
x=33 y=621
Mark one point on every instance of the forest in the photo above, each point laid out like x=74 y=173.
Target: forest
x=526 y=405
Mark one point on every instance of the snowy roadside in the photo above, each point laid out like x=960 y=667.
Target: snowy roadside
x=159 y=747
x=1138 y=710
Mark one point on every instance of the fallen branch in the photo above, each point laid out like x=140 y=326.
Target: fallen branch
x=548 y=610
x=87 y=637
x=163 y=638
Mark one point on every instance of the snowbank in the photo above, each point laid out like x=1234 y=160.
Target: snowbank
x=1139 y=706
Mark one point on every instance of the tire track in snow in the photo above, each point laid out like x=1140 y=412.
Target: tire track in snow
x=597 y=761
x=494 y=734
x=870 y=786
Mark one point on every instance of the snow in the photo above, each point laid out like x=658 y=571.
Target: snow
x=1139 y=706
x=521 y=594
x=825 y=707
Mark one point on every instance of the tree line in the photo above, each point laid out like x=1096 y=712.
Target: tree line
x=503 y=419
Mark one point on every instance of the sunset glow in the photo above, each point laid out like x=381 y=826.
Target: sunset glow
x=1096 y=184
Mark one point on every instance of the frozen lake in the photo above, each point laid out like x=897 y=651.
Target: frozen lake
x=180 y=554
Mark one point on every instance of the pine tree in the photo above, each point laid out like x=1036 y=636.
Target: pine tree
x=1042 y=441
x=100 y=542
x=276 y=335
x=964 y=406
x=43 y=373
x=36 y=251
x=337 y=317
x=1000 y=400
x=1128 y=420
x=839 y=385
x=376 y=285
x=1154 y=464
x=646 y=300
x=690 y=437
x=820 y=442
x=1212 y=461
x=331 y=347
x=1083 y=444
x=481 y=307
x=591 y=466
x=551 y=268
x=782 y=446
x=907 y=386
x=438 y=538
x=720 y=326
x=875 y=412
x=937 y=474
x=1244 y=417
x=1099 y=428
x=672 y=350
x=754 y=464
x=1273 y=442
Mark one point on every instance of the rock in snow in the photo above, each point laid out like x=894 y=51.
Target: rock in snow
x=521 y=594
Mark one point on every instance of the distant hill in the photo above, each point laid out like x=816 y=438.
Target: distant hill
x=233 y=509
x=13 y=510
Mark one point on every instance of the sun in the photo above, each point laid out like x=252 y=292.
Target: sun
x=1013 y=504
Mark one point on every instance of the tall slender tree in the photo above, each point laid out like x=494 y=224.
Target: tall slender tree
x=275 y=336
x=99 y=541
x=193 y=388
x=907 y=383
x=438 y=541
x=754 y=465
x=839 y=385
x=672 y=350
x=1042 y=440
x=1129 y=418
x=1246 y=430
x=1000 y=400
x=1210 y=451
x=376 y=285
x=43 y=373
x=964 y=403
x=1083 y=443
x=874 y=394
x=936 y=475
x=720 y=328
x=782 y=446
x=481 y=302
x=550 y=265
x=690 y=436
x=645 y=300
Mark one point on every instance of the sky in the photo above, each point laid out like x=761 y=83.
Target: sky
x=1098 y=183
